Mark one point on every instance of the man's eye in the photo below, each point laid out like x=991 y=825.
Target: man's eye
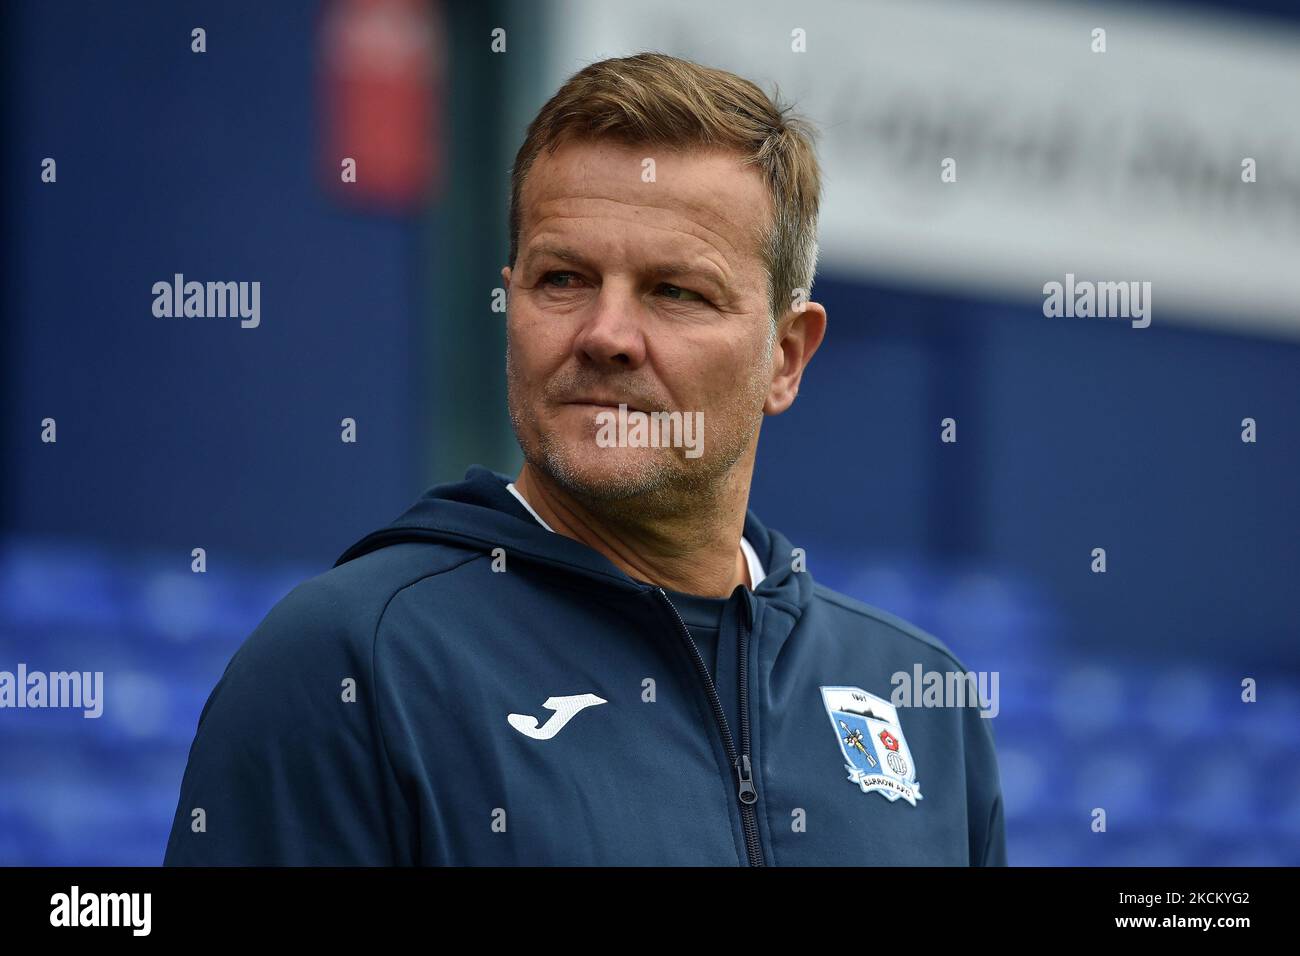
x=550 y=277
x=684 y=295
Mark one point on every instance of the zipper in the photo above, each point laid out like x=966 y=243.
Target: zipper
x=740 y=760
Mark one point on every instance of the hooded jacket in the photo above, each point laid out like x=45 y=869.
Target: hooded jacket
x=466 y=687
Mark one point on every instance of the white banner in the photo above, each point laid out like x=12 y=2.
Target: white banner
x=1117 y=166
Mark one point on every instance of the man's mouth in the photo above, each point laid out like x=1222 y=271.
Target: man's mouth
x=603 y=403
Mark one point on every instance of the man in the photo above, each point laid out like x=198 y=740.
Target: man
x=609 y=660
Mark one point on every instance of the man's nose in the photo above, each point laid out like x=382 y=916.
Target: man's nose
x=612 y=333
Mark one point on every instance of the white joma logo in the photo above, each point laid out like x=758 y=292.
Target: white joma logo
x=564 y=707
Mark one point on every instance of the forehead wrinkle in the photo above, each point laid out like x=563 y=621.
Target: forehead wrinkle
x=699 y=230
x=579 y=165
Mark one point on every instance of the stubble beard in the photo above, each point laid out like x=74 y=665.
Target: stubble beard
x=663 y=482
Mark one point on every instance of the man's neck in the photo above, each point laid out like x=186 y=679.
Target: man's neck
x=696 y=551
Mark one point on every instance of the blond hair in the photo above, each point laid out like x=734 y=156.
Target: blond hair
x=656 y=99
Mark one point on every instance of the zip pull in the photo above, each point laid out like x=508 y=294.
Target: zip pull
x=748 y=794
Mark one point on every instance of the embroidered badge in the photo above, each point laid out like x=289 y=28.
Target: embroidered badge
x=872 y=743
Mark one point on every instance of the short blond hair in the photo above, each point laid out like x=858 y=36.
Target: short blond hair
x=656 y=99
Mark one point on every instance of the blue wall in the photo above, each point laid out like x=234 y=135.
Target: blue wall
x=176 y=433
x=1072 y=434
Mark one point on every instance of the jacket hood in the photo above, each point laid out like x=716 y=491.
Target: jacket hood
x=479 y=513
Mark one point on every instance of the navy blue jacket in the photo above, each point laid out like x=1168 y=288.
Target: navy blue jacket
x=393 y=711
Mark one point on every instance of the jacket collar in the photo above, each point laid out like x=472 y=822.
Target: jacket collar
x=479 y=513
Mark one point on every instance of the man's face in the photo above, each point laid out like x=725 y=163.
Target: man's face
x=651 y=294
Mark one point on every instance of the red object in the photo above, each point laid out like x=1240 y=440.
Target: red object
x=888 y=740
x=383 y=78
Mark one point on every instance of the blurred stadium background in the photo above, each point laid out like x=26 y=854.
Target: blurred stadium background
x=1119 y=690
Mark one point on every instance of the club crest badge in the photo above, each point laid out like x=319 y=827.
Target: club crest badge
x=871 y=741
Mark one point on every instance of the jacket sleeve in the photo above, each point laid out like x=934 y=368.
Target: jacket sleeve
x=288 y=766
x=995 y=844
x=988 y=838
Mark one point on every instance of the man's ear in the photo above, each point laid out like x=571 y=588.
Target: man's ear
x=505 y=276
x=799 y=335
